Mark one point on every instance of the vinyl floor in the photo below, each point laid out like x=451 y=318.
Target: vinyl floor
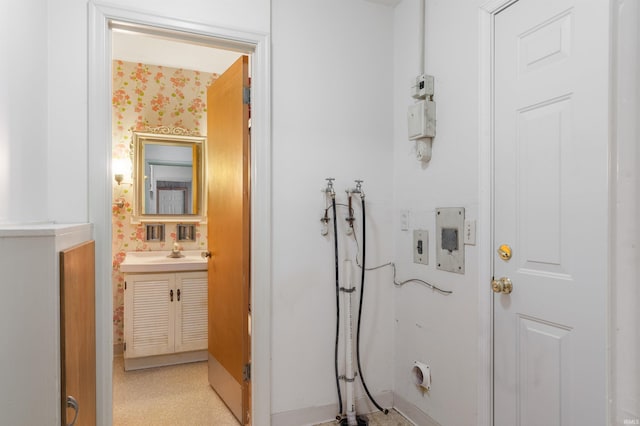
x=173 y=396
x=380 y=419
x=180 y=395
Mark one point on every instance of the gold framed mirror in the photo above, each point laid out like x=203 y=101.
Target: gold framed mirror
x=169 y=175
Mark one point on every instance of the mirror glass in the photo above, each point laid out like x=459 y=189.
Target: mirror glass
x=169 y=173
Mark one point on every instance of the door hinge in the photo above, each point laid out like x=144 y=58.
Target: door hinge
x=246 y=95
x=246 y=372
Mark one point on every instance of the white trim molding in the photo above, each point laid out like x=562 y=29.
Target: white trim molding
x=99 y=150
x=624 y=204
x=487 y=9
x=326 y=413
x=413 y=413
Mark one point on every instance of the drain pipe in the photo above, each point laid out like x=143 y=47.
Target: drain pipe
x=349 y=377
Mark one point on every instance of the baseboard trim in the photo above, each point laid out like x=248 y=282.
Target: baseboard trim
x=118 y=349
x=162 y=360
x=314 y=415
x=413 y=413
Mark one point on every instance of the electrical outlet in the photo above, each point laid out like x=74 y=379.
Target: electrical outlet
x=470 y=232
x=421 y=246
x=404 y=220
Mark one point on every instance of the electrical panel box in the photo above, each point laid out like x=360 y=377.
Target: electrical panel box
x=449 y=239
x=421 y=119
x=422 y=86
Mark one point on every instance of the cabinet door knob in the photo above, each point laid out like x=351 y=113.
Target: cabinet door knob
x=171 y=295
x=72 y=403
x=178 y=295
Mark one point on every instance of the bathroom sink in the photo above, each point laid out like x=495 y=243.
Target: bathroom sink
x=157 y=261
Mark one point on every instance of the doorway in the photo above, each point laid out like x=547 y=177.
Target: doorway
x=100 y=18
x=159 y=83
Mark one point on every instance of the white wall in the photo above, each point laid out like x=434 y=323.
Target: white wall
x=23 y=118
x=334 y=89
x=438 y=330
x=332 y=103
x=332 y=110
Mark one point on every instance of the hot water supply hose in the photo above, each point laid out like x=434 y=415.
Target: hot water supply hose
x=364 y=244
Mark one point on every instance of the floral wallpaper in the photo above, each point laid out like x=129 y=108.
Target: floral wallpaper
x=148 y=96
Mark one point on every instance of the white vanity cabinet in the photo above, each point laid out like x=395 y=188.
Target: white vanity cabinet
x=165 y=318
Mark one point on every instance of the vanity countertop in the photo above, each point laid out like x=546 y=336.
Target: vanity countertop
x=158 y=261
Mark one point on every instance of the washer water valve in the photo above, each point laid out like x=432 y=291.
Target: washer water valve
x=324 y=227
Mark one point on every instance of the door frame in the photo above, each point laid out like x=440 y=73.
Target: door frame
x=487 y=11
x=624 y=24
x=100 y=177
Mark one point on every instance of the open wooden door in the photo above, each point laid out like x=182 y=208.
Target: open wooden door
x=228 y=217
x=78 y=335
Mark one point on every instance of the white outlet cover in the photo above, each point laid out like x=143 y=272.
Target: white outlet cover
x=421 y=239
x=470 y=232
x=404 y=220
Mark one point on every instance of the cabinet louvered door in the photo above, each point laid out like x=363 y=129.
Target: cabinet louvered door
x=191 y=311
x=149 y=325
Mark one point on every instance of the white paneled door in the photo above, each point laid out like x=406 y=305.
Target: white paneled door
x=550 y=213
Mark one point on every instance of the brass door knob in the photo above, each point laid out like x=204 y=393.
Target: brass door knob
x=503 y=285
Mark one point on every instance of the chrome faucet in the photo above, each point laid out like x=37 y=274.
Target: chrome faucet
x=175 y=251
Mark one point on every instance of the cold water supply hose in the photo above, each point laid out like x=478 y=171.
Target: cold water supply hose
x=364 y=244
x=335 y=240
